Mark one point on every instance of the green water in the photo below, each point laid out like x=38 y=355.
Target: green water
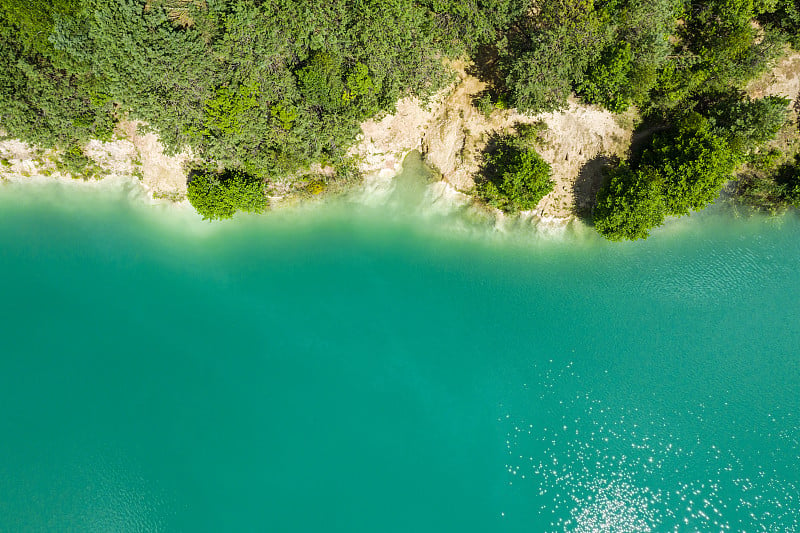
x=351 y=368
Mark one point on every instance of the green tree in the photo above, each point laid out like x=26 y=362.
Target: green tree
x=770 y=190
x=158 y=71
x=787 y=181
x=322 y=84
x=548 y=52
x=721 y=34
x=693 y=163
x=515 y=178
x=33 y=23
x=629 y=204
x=747 y=123
x=608 y=80
x=42 y=104
x=217 y=196
x=226 y=113
x=682 y=169
x=783 y=16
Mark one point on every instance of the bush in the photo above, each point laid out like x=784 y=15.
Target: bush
x=747 y=123
x=76 y=164
x=787 y=178
x=217 y=196
x=693 y=162
x=629 y=204
x=784 y=16
x=516 y=179
x=683 y=169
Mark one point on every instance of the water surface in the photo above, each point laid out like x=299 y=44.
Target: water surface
x=391 y=367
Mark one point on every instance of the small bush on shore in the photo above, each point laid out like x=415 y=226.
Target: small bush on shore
x=217 y=196
x=516 y=178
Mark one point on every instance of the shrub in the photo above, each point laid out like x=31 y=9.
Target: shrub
x=217 y=196
x=607 y=81
x=693 y=162
x=682 y=170
x=747 y=123
x=516 y=178
x=629 y=205
x=76 y=164
x=316 y=186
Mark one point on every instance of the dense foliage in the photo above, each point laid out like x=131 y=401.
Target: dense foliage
x=217 y=196
x=686 y=166
x=682 y=169
x=267 y=87
x=630 y=204
x=516 y=178
x=657 y=54
x=769 y=189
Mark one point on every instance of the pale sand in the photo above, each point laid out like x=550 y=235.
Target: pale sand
x=782 y=80
x=128 y=155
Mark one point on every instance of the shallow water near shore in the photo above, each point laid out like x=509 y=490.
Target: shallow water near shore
x=391 y=366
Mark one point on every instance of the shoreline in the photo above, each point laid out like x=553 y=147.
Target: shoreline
x=443 y=212
x=379 y=167
x=440 y=208
x=448 y=131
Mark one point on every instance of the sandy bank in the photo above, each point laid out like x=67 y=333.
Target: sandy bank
x=131 y=155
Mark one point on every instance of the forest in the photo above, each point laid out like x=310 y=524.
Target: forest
x=262 y=89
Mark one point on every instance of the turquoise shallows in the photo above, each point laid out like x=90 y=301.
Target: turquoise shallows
x=350 y=368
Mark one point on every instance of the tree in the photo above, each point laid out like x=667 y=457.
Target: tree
x=516 y=178
x=627 y=69
x=693 y=163
x=683 y=169
x=629 y=204
x=771 y=190
x=548 y=52
x=730 y=49
x=747 y=123
x=217 y=196
x=159 y=72
x=607 y=81
x=783 y=16
x=44 y=105
x=34 y=22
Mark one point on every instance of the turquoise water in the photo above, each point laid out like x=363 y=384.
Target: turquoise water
x=351 y=368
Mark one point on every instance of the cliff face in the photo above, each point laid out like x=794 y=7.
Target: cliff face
x=577 y=141
x=130 y=154
x=452 y=132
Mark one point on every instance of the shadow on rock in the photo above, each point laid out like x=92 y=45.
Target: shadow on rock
x=588 y=182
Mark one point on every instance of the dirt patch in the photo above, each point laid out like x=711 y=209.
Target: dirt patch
x=163 y=176
x=575 y=137
x=782 y=80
